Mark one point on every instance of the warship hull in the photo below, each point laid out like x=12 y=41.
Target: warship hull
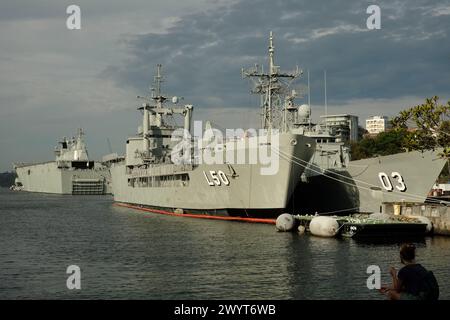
x=365 y=184
x=49 y=178
x=193 y=189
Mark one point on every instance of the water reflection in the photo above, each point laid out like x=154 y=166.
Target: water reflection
x=128 y=254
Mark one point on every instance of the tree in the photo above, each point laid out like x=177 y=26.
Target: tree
x=431 y=122
x=423 y=127
x=384 y=143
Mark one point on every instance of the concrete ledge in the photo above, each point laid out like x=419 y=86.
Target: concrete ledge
x=438 y=214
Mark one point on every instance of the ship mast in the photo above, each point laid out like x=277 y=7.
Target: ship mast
x=158 y=79
x=276 y=100
x=154 y=121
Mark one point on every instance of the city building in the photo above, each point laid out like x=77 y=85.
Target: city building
x=377 y=124
x=345 y=126
x=441 y=189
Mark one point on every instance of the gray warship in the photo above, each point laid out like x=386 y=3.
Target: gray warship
x=332 y=183
x=358 y=185
x=149 y=178
x=71 y=173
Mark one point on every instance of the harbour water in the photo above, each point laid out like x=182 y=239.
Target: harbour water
x=129 y=254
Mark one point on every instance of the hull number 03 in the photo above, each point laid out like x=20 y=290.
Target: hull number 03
x=388 y=185
x=216 y=178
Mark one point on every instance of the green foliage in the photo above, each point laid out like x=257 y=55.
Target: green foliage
x=432 y=123
x=385 y=143
x=423 y=127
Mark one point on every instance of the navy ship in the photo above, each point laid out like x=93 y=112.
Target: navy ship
x=72 y=172
x=332 y=183
x=152 y=178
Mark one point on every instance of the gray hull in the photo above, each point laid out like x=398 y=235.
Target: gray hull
x=248 y=193
x=48 y=178
x=364 y=185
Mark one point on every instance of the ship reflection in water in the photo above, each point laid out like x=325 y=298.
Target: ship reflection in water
x=129 y=254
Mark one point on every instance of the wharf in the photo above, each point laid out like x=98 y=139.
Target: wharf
x=438 y=214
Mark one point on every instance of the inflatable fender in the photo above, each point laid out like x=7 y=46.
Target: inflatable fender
x=324 y=226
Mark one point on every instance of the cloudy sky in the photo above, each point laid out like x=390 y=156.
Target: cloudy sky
x=54 y=80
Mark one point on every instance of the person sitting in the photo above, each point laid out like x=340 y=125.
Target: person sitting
x=413 y=281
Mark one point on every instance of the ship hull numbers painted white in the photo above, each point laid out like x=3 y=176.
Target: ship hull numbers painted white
x=216 y=178
x=388 y=185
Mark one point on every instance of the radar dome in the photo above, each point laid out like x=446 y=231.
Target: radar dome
x=304 y=111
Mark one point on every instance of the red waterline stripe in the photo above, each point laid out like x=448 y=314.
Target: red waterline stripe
x=200 y=216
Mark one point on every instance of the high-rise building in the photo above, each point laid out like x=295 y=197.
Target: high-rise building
x=377 y=124
x=344 y=126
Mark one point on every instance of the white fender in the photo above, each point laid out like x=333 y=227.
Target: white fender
x=324 y=226
x=285 y=222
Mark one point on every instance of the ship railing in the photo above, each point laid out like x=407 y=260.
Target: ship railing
x=24 y=164
x=162 y=170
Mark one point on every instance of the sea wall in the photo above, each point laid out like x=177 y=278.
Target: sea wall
x=438 y=214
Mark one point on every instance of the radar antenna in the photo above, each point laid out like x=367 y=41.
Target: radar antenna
x=276 y=98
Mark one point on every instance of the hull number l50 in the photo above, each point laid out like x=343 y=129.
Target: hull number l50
x=216 y=178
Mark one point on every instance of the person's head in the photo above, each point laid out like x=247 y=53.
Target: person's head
x=407 y=252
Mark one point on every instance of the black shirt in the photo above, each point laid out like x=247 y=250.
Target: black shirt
x=411 y=277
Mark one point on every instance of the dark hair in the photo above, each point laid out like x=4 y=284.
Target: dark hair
x=408 y=251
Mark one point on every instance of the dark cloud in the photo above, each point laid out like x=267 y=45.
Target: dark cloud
x=204 y=52
x=53 y=80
